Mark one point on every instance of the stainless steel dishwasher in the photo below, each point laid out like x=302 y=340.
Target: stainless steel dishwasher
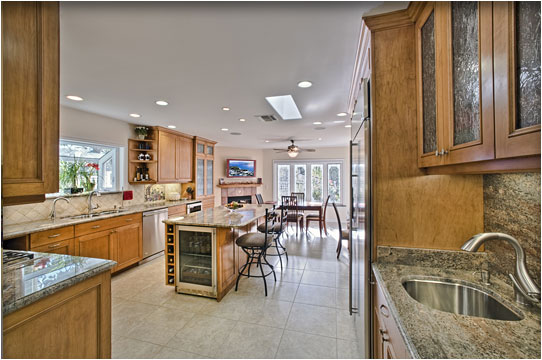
x=154 y=233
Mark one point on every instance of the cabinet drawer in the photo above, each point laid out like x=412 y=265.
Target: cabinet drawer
x=50 y=236
x=99 y=225
x=58 y=247
x=177 y=210
x=385 y=323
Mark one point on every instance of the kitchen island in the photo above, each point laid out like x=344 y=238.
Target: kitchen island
x=201 y=255
x=55 y=306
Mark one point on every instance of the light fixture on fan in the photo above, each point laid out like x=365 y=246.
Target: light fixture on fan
x=293 y=150
x=293 y=153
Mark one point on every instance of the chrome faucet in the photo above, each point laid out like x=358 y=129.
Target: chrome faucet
x=90 y=207
x=525 y=290
x=52 y=215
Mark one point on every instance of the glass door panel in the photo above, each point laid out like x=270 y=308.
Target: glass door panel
x=283 y=181
x=300 y=185
x=200 y=174
x=209 y=178
x=429 y=85
x=317 y=174
x=527 y=20
x=200 y=148
x=334 y=182
x=466 y=72
x=196 y=257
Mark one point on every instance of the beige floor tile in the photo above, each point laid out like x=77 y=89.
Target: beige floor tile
x=250 y=341
x=289 y=275
x=341 y=281
x=313 y=319
x=170 y=353
x=346 y=325
x=125 y=348
x=185 y=302
x=269 y=313
x=203 y=335
x=342 y=299
x=296 y=345
x=316 y=295
x=127 y=314
x=348 y=349
x=233 y=306
x=318 y=278
x=321 y=265
x=160 y=326
x=155 y=294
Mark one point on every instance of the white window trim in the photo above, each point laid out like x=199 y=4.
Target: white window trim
x=308 y=185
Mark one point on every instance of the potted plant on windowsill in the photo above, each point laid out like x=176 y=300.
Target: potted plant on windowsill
x=69 y=175
x=141 y=132
x=89 y=171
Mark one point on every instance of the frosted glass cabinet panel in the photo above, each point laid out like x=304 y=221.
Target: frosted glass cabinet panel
x=200 y=175
x=466 y=72
x=429 y=85
x=209 y=178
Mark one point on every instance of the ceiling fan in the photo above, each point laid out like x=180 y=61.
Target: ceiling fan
x=293 y=150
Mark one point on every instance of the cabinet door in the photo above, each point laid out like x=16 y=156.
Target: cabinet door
x=65 y=247
x=127 y=245
x=429 y=136
x=30 y=100
x=467 y=84
x=209 y=173
x=517 y=78
x=96 y=245
x=184 y=159
x=200 y=177
x=167 y=157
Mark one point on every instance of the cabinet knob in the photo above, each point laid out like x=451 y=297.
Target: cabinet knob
x=443 y=152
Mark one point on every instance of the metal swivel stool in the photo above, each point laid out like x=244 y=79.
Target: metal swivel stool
x=255 y=246
x=276 y=228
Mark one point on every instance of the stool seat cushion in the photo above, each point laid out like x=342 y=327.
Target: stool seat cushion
x=252 y=240
x=271 y=228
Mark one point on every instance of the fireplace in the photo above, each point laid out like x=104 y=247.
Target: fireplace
x=240 y=199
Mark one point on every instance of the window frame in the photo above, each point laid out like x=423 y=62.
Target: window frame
x=308 y=183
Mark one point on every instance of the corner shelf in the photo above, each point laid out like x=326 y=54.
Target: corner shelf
x=143 y=161
x=134 y=162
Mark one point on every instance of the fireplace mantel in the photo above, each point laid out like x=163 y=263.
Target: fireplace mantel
x=238 y=189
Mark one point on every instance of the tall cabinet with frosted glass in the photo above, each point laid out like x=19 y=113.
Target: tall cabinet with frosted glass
x=204 y=152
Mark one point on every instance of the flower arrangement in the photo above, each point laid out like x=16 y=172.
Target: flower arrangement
x=88 y=173
x=141 y=132
x=77 y=176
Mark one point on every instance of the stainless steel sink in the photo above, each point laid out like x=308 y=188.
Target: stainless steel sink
x=94 y=214
x=458 y=299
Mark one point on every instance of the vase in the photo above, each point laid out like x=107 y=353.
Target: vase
x=141 y=137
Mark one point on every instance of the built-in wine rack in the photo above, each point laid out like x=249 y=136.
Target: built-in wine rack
x=170 y=255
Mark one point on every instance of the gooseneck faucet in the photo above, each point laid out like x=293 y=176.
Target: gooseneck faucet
x=525 y=289
x=90 y=207
x=52 y=215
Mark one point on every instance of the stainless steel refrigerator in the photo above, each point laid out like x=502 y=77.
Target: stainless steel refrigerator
x=360 y=219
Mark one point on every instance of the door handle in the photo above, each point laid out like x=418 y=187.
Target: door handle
x=96 y=226
x=129 y=219
x=53 y=236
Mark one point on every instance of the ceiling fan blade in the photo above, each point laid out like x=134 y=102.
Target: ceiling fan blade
x=281 y=150
x=308 y=150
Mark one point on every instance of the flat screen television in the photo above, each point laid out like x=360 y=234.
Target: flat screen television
x=241 y=168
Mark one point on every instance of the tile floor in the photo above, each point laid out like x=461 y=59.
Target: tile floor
x=304 y=315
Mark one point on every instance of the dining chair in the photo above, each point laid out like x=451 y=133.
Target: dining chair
x=343 y=234
x=293 y=216
x=317 y=217
x=255 y=245
x=259 y=198
x=300 y=202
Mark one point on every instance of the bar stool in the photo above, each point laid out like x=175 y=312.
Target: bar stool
x=255 y=245
x=276 y=228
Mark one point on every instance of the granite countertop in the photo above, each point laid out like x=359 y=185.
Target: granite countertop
x=430 y=333
x=28 y=282
x=11 y=231
x=222 y=217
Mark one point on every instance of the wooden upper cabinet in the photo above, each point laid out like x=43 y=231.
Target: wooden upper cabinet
x=30 y=100
x=204 y=151
x=517 y=78
x=174 y=156
x=472 y=108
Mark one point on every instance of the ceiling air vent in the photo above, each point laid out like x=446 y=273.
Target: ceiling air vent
x=266 y=118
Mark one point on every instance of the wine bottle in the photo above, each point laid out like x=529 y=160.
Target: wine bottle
x=138 y=174
x=170 y=280
x=146 y=173
x=170 y=270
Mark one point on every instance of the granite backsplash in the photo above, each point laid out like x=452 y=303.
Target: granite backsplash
x=512 y=206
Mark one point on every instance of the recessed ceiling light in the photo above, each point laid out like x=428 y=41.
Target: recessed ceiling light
x=74 y=98
x=348 y=126
x=285 y=106
x=338 y=121
x=225 y=108
x=304 y=84
x=135 y=115
x=342 y=114
x=171 y=126
x=267 y=141
x=242 y=120
x=161 y=102
x=319 y=139
x=224 y=129
x=317 y=123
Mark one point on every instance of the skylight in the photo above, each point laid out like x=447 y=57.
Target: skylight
x=285 y=106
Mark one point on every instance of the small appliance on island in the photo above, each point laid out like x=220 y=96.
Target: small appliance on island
x=201 y=255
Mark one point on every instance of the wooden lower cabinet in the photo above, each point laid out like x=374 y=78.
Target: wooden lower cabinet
x=74 y=323
x=227 y=261
x=387 y=340
x=66 y=247
x=175 y=211
x=96 y=245
x=127 y=245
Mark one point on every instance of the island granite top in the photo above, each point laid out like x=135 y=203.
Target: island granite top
x=220 y=216
x=29 y=281
x=430 y=333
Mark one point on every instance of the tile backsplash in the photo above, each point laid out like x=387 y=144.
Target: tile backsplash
x=512 y=206
x=78 y=204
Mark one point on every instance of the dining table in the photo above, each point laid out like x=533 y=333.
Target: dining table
x=309 y=206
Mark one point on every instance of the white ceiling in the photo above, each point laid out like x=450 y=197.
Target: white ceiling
x=121 y=57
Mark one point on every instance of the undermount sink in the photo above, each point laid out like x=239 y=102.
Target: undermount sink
x=95 y=214
x=458 y=298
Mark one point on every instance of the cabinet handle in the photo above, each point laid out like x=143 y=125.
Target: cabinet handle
x=129 y=219
x=54 y=245
x=384 y=334
x=113 y=231
x=54 y=236
x=443 y=152
x=96 y=226
x=384 y=311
